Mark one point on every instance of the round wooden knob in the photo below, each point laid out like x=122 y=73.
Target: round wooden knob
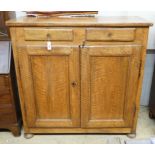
x=109 y=34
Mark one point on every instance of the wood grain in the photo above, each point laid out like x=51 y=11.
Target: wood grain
x=120 y=21
x=110 y=34
x=105 y=96
x=5 y=97
x=9 y=101
x=79 y=130
x=46 y=79
x=81 y=85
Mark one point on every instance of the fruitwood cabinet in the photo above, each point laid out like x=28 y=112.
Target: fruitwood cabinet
x=79 y=75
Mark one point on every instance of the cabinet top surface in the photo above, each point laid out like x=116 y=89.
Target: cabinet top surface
x=80 y=21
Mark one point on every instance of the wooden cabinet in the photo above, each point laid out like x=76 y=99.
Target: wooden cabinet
x=10 y=115
x=88 y=81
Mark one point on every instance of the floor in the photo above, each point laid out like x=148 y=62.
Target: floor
x=145 y=130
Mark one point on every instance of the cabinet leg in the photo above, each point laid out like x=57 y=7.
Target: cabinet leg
x=15 y=131
x=131 y=135
x=28 y=135
x=151 y=115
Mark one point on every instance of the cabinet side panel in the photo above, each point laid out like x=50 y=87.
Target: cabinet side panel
x=143 y=39
x=14 y=31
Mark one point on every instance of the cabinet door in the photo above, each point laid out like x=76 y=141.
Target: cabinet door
x=109 y=81
x=50 y=85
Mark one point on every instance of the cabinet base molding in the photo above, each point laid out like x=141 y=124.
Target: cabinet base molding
x=77 y=130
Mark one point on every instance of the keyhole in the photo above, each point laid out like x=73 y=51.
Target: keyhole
x=74 y=83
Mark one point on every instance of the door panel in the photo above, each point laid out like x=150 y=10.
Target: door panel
x=50 y=98
x=56 y=92
x=108 y=85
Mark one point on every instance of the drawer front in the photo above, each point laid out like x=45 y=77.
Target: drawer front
x=42 y=34
x=5 y=96
x=4 y=82
x=110 y=34
x=7 y=114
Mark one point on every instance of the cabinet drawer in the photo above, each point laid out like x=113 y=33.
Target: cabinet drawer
x=41 y=34
x=5 y=96
x=110 y=34
x=4 y=82
x=6 y=114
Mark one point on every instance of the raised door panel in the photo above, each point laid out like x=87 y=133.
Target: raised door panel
x=109 y=85
x=50 y=98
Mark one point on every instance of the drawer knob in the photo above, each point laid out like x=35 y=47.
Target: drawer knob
x=74 y=83
x=48 y=36
x=109 y=34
